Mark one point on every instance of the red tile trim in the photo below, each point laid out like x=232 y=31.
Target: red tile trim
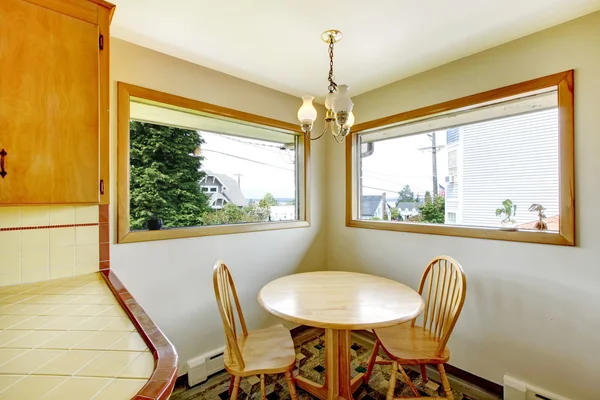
x=104 y=233
x=28 y=228
x=104 y=252
x=161 y=383
x=103 y=213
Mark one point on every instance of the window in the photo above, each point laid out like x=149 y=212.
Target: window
x=496 y=165
x=188 y=168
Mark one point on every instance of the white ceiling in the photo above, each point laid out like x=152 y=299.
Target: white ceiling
x=276 y=43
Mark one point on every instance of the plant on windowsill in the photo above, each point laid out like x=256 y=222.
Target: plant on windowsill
x=507 y=212
x=540 y=225
x=154 y=224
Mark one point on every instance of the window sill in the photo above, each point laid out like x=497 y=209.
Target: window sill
x=467 y=232
x=181 y=233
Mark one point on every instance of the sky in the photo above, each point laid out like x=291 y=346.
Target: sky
x=394 y=163
x=398 y=162
x=263 y=166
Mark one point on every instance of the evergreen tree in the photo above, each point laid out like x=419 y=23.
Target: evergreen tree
x=165 y=176
x=427 y=197
x=405 y=195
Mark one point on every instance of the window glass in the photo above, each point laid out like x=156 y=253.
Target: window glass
x=493 y=166
x=190 y=169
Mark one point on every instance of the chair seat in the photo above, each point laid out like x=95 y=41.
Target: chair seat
x=264 y=351
x=411 y=345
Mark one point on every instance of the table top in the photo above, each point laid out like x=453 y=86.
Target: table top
x=340 y=300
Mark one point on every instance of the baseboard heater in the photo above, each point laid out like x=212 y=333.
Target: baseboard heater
x=201 y=367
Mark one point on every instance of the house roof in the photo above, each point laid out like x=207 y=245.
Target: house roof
x=369 y=204
x=552 y=222
x=231 y=189
x=408 y=204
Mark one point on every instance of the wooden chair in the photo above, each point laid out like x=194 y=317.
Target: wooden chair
x=260 y=352
x=443 y=286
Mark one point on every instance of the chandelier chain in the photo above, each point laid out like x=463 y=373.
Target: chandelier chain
x=332 y=85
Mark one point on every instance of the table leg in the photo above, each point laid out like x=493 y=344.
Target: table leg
x=338 y=384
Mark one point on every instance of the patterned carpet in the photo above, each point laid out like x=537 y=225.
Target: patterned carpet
x=310 y=356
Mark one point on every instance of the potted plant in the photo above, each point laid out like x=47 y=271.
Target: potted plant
x=541 y=224
x=154 y=223
x=507 y=212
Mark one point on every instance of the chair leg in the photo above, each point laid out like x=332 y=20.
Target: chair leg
x=231 y=385
x=263 y=388
x=289 y=377
x=408 y=381
x=424 y=373
x=392 y=383
x=372 y=362
x=236 y=388
x=445 y=383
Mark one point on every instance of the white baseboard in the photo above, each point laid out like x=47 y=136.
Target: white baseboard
x=201 y=367
x=515 y=389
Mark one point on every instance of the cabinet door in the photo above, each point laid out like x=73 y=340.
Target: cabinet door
x=48 y=106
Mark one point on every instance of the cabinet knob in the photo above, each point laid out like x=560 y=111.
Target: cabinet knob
x=3 y=154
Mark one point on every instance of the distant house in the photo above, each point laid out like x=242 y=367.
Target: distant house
x=408 y=209
x=283 y=213
x=524 y=172
x=371 y=207
x=221 y=189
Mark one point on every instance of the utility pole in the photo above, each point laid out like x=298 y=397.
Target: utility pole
x=434 y=148
x=239 y=180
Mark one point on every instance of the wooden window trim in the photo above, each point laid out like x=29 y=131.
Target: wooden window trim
x=124 y=235
x=564 y=81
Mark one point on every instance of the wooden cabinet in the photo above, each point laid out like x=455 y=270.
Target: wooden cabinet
x=53 y=101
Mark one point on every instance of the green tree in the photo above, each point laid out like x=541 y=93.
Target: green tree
x=427 y=197
x=434 y=211
x=165 y=176
x=268 y=201
x=232 y=214
x=405 y=195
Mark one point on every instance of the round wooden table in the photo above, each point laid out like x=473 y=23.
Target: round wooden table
x=339 y=302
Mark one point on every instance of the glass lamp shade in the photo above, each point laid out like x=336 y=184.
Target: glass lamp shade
x=350 y=121
x=329 y=100
x=342 y=101
x=307 y=111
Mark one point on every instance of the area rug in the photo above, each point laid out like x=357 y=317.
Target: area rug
x=310 y=363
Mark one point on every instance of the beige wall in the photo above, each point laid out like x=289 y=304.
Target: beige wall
x=531 y=310
x=172 y=279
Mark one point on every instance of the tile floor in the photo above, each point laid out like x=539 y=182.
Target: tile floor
x=69 y=339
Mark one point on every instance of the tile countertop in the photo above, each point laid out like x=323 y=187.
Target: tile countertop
x=71 y=339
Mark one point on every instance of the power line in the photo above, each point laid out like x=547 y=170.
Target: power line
x=261 y=145
x=247 y=159
x=383 y=190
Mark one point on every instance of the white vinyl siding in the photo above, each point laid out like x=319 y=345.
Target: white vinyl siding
x=514 y=158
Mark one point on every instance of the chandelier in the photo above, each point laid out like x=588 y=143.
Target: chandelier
x=338 y=118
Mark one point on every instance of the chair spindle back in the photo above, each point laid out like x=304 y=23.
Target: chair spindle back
x=444 y=287
x=229 y=306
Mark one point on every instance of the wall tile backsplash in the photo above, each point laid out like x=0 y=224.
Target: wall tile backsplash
x=47 y=242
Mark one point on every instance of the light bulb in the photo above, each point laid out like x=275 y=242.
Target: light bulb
x=350 y=121
x=307 y=111
x=342 y=101
x=329 y=100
